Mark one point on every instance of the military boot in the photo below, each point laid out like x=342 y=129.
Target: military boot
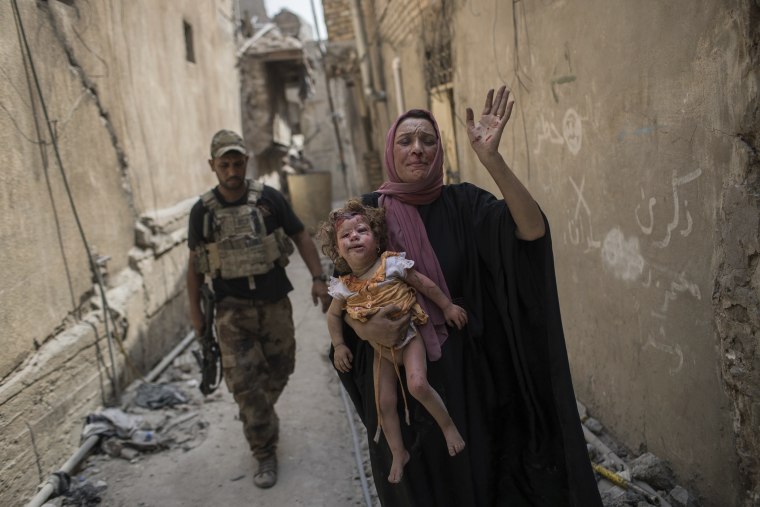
x=266 y=476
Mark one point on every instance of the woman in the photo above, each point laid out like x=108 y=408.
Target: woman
x=505 y=376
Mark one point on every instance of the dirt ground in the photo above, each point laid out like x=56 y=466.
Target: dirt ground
x=208 y=462
x=205 y=459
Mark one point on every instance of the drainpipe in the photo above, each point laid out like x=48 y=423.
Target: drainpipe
x=55 y=483
x=397 y=85
x=361 y=48
x=330 y=102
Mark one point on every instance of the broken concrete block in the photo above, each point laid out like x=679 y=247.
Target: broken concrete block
x=594 y=425
x=681 y=498
x=652 y=470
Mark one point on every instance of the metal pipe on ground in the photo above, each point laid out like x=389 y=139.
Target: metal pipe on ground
x=53 y=483
x=651 y=496
x=166 y=361
x=606 y=452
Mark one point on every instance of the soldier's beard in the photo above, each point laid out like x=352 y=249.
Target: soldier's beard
x=232 y=183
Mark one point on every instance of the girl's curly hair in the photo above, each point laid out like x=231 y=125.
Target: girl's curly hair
x=327 y=234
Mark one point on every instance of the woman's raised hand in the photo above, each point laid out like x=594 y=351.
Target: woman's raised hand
x=485 y=135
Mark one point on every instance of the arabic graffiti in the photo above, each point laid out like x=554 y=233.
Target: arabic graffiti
x=676 y=182
x=674 y=350
x=576 y=229
x=571 y=136
x=572 y=131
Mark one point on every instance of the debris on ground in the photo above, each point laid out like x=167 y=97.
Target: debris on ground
x=86 y=494
x=154 y=396
x=627 y=480
x=168 y=414
x=152 y=417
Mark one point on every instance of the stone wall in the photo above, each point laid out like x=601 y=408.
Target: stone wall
x=736 y=290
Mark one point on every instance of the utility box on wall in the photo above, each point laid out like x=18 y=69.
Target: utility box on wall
x=311 y=197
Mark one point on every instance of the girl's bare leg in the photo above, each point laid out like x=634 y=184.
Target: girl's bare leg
x=415 y=362
x=389 y=415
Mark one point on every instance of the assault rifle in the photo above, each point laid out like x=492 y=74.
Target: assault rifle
x=209 y=358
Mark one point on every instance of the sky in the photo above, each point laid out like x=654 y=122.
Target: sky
x=302 y=8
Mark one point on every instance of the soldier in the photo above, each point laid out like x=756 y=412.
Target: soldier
x=240 y=235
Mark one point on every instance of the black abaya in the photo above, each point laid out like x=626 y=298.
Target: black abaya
x=504 y=378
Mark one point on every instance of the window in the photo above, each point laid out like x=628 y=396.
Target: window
x=438 y=60
x=189 y=50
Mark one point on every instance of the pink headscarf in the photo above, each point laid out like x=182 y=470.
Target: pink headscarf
x=406 y=232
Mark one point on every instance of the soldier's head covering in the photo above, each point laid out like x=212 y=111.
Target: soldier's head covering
x=225 y=141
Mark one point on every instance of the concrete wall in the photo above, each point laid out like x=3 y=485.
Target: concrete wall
x=636 y=129
x=132 y=118
x=320 y=143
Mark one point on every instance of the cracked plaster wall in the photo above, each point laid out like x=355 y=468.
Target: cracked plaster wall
x=636 y=129
x=132 y=119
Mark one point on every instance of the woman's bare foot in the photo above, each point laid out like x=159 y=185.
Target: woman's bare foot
x=454 y=440
x=397 y=467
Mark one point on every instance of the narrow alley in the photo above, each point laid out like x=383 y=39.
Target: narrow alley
x=597 y=216
x=200 y=457
x=211 y=463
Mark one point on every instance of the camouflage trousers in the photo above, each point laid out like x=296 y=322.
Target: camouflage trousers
x=257 y=342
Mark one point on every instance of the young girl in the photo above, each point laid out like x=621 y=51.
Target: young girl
x=354 y=237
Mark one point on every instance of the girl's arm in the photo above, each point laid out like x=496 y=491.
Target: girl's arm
x=455 y=315
x=427 y=288
x=335 y=322
x=342 y=356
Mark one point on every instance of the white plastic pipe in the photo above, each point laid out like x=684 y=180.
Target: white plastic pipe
x=398 y=85
x=361 y=47
x=53 y=481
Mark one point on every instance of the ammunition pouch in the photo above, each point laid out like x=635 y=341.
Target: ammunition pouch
x=284 y=246
x=236 y=244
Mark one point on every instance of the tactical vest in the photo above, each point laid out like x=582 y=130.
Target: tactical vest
x=235 y=240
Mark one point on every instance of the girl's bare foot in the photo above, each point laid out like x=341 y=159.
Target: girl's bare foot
x=397 y=467
x=454 y=440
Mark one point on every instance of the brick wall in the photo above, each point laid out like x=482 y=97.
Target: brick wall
x=399 y=19
x=338 y=20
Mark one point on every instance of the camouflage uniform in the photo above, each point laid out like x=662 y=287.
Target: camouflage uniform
x=254 y=325
x=257 y=341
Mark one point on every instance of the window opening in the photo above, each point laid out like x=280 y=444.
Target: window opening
x=189 y=50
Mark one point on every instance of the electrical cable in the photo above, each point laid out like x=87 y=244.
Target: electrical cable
x=100 y=362
x=42 y=146
x=91 y=261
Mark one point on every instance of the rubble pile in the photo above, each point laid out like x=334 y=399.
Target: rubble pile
x=152 y=417
x=627 y=480
x=168 y=414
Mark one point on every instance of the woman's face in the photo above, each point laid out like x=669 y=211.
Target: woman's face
x=414 y=149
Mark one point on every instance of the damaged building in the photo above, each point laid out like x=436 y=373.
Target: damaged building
x=292 y=117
